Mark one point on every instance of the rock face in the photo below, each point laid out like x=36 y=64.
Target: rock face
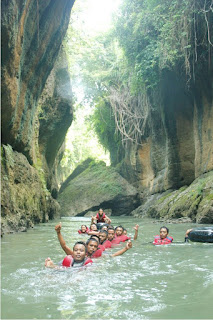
x=178 y=145
x=194 y=202
x=55 y=117
x=98 y=186
x=32 y=33
x=25 y=200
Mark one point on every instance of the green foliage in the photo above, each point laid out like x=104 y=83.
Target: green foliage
x=163 y=34
x=149 y=36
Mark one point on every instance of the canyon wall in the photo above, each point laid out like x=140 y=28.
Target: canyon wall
x=178 y=146
x=32 y=34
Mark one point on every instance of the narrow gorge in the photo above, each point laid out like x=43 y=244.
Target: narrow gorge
x=161 y=167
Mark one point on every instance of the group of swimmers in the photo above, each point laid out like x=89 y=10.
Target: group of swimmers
x=100 y=240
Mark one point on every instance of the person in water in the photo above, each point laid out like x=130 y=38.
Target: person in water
x=84 y=229
x=115 y=236
x=93 y=227
x=104 y=242
x=79 y=258
x=101 y=217
x=163 y=238
x=76 y=260
x=91 y=245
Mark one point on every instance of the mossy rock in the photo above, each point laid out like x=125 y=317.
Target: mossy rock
x=98 y=185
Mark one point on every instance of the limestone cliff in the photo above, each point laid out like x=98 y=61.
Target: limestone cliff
x=178 y=145
x=32 y=34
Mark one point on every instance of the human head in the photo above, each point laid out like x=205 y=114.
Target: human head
x=94 y=236
x=119 y=231
x=125 y=232
x=83 y=228
x=93 y=227
x=101 y=211
x=164 y=231
x=103 y=236
x=92 y=245
x=111 y=233
x=104 y=228
x=79 y=251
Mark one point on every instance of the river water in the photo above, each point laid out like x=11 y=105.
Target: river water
x=147 y=282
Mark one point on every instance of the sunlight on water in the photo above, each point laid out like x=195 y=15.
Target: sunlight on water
x=147 y=282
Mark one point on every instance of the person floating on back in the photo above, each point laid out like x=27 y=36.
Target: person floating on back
x=163 y=238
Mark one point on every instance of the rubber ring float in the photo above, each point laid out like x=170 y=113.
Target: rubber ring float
x=202 y=234
x=101 y=224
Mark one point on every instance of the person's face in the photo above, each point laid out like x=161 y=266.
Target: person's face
x=83 y=229
x=119 y=231
x=103 y=237
x=125 y=232
x=100 y=212
x=163 y=233
x=93 y=227
x=111 y=234
x=104 y=228
x=92 y=247
x=79 y=252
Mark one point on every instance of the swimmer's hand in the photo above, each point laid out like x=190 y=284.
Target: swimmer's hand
x=49 y=263
x=136 y=227
x=129 y=245
x=58 y=228
x=136 y=231
x=93 y=219
x=187 y=232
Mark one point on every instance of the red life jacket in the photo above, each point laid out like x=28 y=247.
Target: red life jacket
x=97 y=253
x=68 y=261
x=87 y=230
x=116 y=240
x=101 y=246
x=160 y=241
x=100 y=219
x=119 y=239
x=124 y=238
x=107 y=244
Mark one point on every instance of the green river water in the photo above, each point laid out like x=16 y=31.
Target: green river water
x=147 y=282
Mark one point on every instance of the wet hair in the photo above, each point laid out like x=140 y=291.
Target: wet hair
x=111 y=228
x=93 y=224
x=104 y=231
x=164 y=228
x=119 y=227
x=83 y=225
x=80 y=242
x=92 y=239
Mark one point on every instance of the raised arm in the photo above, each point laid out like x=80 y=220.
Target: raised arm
x=136 y=231
x=107 y=220
x=66 y=249
x=120 y=252
x=93 y=233
x=93 y=219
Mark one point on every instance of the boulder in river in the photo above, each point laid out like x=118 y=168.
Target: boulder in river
x=98 y=186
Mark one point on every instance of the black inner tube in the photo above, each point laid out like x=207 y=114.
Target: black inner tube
x=101 y=224
x=201 y=234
